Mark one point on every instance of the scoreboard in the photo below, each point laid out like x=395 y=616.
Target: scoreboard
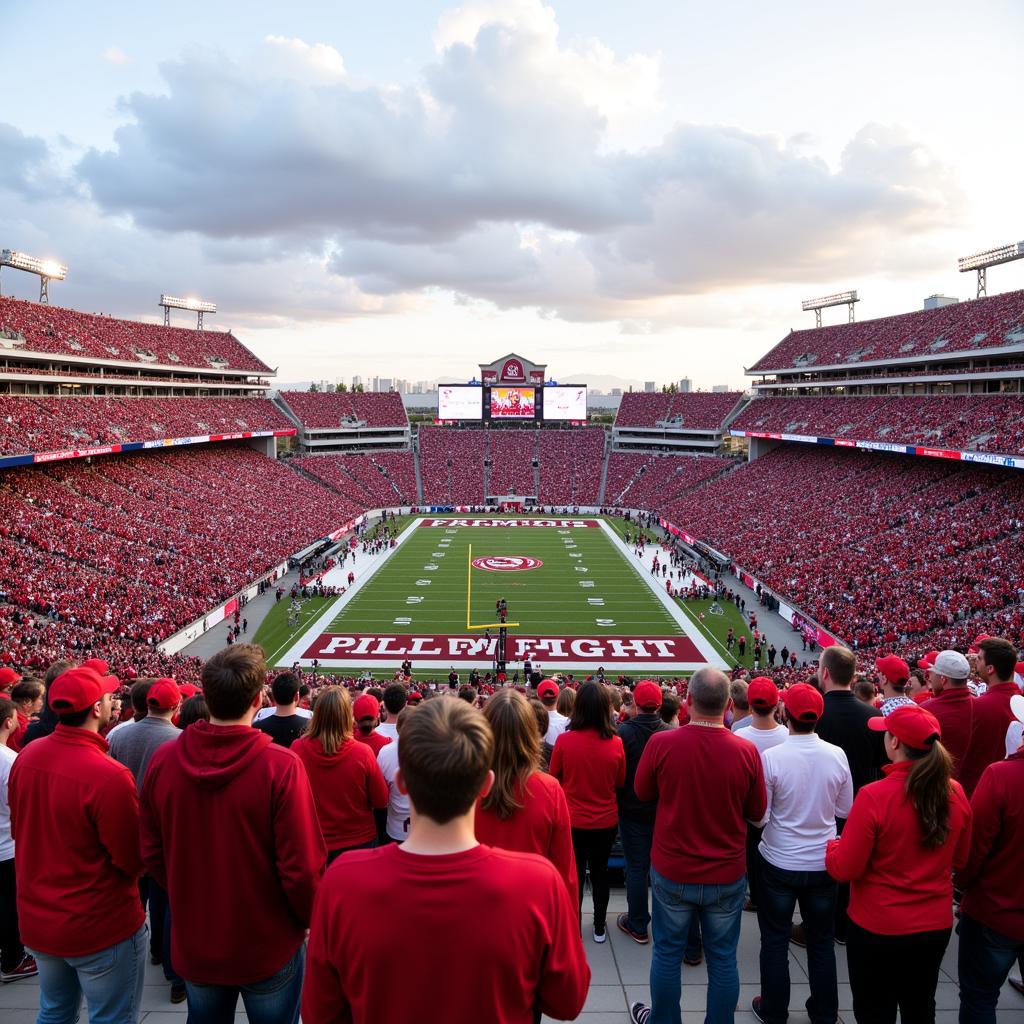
x=529 y=403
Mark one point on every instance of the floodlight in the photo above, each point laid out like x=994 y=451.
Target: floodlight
x=838 y=299
x=981 y=261
x=47 y=270
x=191 y=303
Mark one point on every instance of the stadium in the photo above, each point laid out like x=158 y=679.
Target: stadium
x=639 y=636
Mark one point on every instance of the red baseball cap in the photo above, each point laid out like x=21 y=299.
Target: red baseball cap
x=80 y=688
x=414 y=695
x=189 y=690
x=366 y=706
x=911 y=725
x=8 y=677
x=547 y=686
x=762 y=693
x=164 y=694
x=896 y=670
x=928 y=660
x=975 y=648
x=803 y=702
x=98 y=665
x=647 y=695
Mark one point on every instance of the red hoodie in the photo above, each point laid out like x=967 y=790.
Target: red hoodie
x=75 y=822
x=992 y=717
x=954 y=708
x=347 y=786
x=992 y=877
x=229 y=829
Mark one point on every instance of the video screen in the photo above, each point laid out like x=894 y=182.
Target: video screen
x=565 y=403
x=463 y=402
x=513 y=404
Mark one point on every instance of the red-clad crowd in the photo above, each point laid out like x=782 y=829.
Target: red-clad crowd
x=324 y=409
x=380 y=480
x=697 y=410
x=653 y=481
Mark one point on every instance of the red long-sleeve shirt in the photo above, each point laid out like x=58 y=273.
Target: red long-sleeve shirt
x=992 y=878
x=897 y=887
x=992 y=717
x=954 y=709
x=347 y=786
x=508 y=935
x=590 y=769
x=541 y=826
x=229 y=829
x=75 y=822
x=15 y=740
x=708 y=783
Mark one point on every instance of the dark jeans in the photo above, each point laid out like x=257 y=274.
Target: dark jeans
x=160 y=928
x=275 y=1000
x=908 y=986
x=985 y=959
x=637 y=836
x=754 y=863
x=780 y=891
x=12 y=952
x=591 y=847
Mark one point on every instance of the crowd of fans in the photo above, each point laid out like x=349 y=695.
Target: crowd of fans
x=963 y=326
x=879 y=549
x=40 y=424
x=43 y=328
x=452 y=465
x=887 y=819
x=378 y=480
x=570 y=465
x=512 y=453
x=993 y=423
x=325 y=409
x=698 y=410
x=655 y=481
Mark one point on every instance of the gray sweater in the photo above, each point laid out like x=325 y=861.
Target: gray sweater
x=133 y=746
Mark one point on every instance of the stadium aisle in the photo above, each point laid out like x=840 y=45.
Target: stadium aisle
x=620 y=969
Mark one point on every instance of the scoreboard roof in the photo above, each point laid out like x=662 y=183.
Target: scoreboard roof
x=512 y=369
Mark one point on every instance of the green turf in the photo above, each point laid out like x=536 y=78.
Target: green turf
x=275 y=636
x=546 y=600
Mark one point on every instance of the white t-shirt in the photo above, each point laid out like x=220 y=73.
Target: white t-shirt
x=809 y=785
x=1014 y=737
x=556 y=726
x=388 y=729
x=764 y=739
x=398 y=803
x=7 y=757
x=267 y=712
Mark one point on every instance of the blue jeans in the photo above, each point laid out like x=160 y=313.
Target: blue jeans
x=779 y=892
x=637 y=836
x=719 y=909
x=275 y=1000
x=984 y=961
x=111 y=979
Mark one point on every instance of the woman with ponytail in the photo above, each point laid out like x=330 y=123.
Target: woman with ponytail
x=904 y=838
x=525 y=810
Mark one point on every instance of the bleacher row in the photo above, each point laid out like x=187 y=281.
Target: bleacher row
x=991 y=423
x=694 y=410
x=326 y=409
x=33 y=327
x=962 y=327
x=380 y=480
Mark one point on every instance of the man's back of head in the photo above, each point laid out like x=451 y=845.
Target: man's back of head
x=708 y=692
x=233 y=681
x=285 y=689
x=837 y=667
x=395 y=698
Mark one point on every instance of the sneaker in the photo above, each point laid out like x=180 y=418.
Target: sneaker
x=797 y=936
x=600 y=936
x=178 y=993
x=26 y=969
x=755 y=1008
x=639 y=937
x=639 y=1013
x=694 y=961
x=1016 y=983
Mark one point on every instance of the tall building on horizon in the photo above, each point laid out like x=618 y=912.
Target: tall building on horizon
x=685 y=386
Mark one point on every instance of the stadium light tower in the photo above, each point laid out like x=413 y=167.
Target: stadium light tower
x=46 y=270
x=981 y=261
x=197 y=306
x=839 y=299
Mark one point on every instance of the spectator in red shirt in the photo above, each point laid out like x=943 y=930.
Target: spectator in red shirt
x=590 y=762
x=904 y=837
x=991 y=925
x=366 y=711
x=708 y=783
x=952 y=704
x=526 y=809
x=442 y=883
x=75 y=822
x=27 y=695
x=241 y=911
x=995 y=664
x=347 y=784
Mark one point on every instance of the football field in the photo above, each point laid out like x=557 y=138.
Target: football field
x=576 y=599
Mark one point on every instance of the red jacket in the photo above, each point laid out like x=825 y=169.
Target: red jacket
x=897 y=887
x=992 y=877
x=992 y=717
x=541 y=826
x=75 y=822
x=347 y=786
x=509 y=934
x=229 y=829
x=590 y=769
x=708 y=783
x=954 y=708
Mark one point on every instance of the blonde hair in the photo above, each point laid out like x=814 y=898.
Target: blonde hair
x=332 y=722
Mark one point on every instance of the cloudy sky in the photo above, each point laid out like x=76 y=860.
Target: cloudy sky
x=645 y=190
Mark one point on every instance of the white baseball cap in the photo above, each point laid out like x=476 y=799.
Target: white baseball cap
x=952 y=665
